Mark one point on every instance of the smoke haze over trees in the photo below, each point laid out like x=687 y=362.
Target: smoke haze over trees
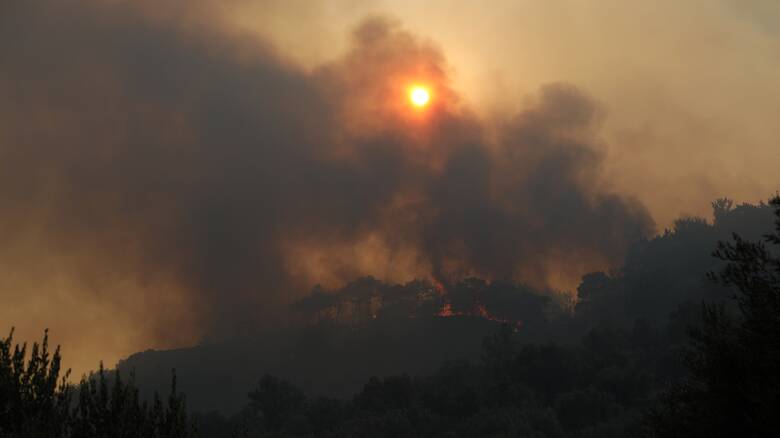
x=598 y=371
x=315 y=256
x=146 y=166
x=658 y=291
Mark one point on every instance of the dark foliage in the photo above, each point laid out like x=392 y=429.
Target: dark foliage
x=374 y=328
x=734 y=357
x=33 y=399
x=619 y=376
x=605 y=384
x=35 y=402
x=599 y=387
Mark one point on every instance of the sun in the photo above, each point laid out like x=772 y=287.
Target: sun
x=419 y=96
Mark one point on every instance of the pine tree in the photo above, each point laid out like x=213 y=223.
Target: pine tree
x=35 y=401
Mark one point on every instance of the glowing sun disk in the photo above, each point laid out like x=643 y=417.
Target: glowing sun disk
x=420 y=96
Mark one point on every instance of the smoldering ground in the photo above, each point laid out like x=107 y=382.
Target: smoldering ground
x=162 y=181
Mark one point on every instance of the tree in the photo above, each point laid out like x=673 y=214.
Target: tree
x=33 y=399
x=734 y=357
x=36 y=402
x=278 y=401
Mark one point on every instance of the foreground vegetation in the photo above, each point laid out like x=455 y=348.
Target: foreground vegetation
x=36 y=401
x=710 y=370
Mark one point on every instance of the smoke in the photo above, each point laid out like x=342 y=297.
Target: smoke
x=161 y=181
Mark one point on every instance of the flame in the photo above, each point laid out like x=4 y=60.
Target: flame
x=438 y=286
x=356 y=310
x=478 y=311
x=446 y=311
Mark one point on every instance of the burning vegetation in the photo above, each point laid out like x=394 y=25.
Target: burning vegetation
x=368 y=299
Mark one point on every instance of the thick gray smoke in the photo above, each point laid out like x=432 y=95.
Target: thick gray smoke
x=211 y=179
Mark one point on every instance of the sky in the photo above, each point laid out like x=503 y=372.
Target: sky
x=689 y=86
x=179 y=172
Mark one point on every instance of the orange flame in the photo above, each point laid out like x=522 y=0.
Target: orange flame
x=479 y=311
x=446 y=311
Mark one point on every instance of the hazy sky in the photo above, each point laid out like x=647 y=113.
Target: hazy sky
x=184 y=170
x=690 y=88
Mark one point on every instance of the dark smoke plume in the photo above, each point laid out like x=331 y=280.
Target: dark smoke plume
x=150 y=161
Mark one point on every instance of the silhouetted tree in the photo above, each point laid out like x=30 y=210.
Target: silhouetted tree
x=36 y=402
x=734 y=357
x=277 y=402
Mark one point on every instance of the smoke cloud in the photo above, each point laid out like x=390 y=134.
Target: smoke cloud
x=162 y=180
